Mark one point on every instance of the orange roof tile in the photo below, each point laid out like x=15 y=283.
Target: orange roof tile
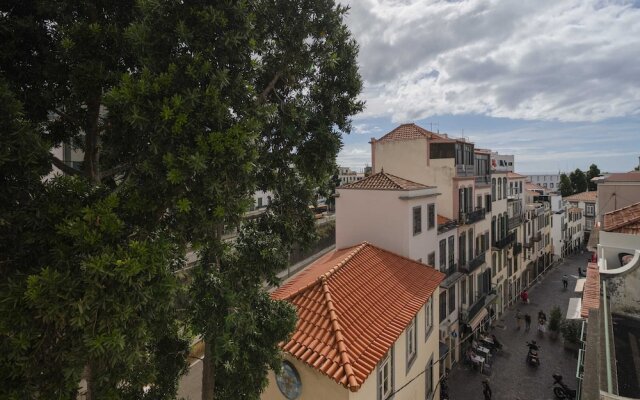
x=632 y=176
x=575 y=209
x=442 y=220
x=352 y=305
x=533 y=186
x=583 y=196
x=513 y=175
x=409 y=132
x=384 y=181
x=623 y=220
x=591 y=293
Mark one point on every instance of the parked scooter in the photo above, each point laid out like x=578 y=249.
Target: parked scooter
x=532 y=356
x=561 y=390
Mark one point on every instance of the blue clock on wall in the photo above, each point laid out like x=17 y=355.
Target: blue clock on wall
x=288 y=381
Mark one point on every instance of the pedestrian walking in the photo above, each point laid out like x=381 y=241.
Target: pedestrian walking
x=486 y=389
x=518 y=319
x=525 y=297
x=565 y=281
x=527 y=322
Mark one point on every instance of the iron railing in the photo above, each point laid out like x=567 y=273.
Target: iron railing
x=514 y=222
x=537 y=237
x=477 y=261
x=447 y=226
x=505 y=241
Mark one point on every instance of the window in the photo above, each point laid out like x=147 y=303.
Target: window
x=470 y=299
x=443 y=254
x=463 y=291
x=493 y=188
x=428 y=378
x=504 y=188
x=417 y=220
x=428 y=319
x=452 y=299
x=499 y=189
x=443 y=305
x=461 y=250
x=385 y=376
x=551 y=185
x=471 y=245
x=431 y=216
x=452 y=250
x=432 y=259
x=259 y=202
x=411 y=343
x=494 y=262
x=487 y=202
x=479 y=201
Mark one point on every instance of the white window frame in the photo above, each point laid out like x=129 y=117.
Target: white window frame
x=411 y=342
x=385 y=374
x=428 y=319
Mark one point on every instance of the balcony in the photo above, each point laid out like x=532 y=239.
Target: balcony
x=517 y=249
x=514 y=222
x=463 y=170
x=537 y=237
x=483 y=180
x=505 y=241
x=472 y=217
x=477 y=261
x=452 y=269
x=447 y=226
x=527 y=244
x=475 y=308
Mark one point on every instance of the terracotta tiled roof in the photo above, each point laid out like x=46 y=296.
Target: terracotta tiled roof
x=409 y=132
x=384 y=181
x=575 y=210
x=633 y=176
x=533 y=186
x=442 y=220
x=591 y=293
x=583 y=196
x=352 y=305
x=623 y=220
x=513 y=175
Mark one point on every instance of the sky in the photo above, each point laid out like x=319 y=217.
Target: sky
x=555 y=83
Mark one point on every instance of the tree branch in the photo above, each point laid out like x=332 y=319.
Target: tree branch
x=113 y=171
x=66 y=116
x=64 y=167
x=269 y=88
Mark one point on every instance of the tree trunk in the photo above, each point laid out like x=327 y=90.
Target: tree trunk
x=88 y=377
x=208 y=373
x=92 y=141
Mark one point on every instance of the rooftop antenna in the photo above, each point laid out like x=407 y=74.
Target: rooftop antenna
x=437 y=124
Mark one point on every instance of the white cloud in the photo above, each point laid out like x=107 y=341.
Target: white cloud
x=574 y=60
x=355 y=156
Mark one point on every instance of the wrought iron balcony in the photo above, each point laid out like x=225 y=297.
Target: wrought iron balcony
x=517 y=249
x=537 y=237
x=477 y=261
x=453 y=268
x=483 y=180
x=447 y=226
x=474 y=309
x=514 y=222
x=505 y=241
x=528 y=244
x=473 y=216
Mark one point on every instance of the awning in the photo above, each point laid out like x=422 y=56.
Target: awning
x=475 y=322
x=573 y=311
x=580 y=285
x=444 y=350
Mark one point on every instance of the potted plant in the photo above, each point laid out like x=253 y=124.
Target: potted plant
x=570 y=329
x=555 y=317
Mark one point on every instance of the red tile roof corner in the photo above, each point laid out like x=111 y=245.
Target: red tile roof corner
x=623 y=220
x=352 y=305
x=408 y=132
x=591 y=293
x=384 y=181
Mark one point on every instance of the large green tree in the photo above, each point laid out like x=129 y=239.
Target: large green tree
x=593 y=172
x=578 y=181
x=565 y=187
x=182 y=110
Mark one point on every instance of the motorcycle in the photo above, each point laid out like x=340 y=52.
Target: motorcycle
x=532 y=356
x=561 y=390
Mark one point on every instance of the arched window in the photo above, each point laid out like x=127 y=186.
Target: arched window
x=504 y=188
x=493 y=189
x=499 y=189
x=493 y=229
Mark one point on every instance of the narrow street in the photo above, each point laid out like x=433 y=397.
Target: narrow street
x=511 y=377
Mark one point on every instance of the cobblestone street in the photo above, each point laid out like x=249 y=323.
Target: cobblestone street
x=511 y=377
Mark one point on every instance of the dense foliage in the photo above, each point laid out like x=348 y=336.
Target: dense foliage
x=181 y=110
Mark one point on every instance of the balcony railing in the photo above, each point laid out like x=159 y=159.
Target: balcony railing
x=453 y=268
x=517 y=249
x=514 y=222
x=473 y=216
x=527 y=244
x=505 y=241
x=537 y=237
x=447 y=226
x=475 y=308
x=477 y=261
x=483 y=180
x=465 y=170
